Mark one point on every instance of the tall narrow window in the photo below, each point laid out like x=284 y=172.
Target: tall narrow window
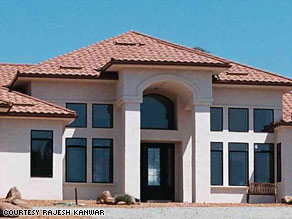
x=76 y=159
x=81 y=110
x=279 y=162
x=262 y=119
x=102 y=115
x=238 y=164
x=264 y=163
x=102 y=160
x=238 y=120
x=216 y=118
x=157 y=112
x=216 y=163
x=41 y=157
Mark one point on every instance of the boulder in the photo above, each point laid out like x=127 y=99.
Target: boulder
x=20 y=203
x=286 y=199
x=105 y=198
x=13 y=194
x=7 y=206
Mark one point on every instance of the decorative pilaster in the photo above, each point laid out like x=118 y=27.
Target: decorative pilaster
x=202 y=152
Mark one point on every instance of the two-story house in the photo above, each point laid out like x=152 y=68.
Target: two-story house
x=135 y=114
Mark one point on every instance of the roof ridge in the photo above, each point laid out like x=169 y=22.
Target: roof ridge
x=177 y=46
x=16 y=64
x=87 y=46
x=39 y=100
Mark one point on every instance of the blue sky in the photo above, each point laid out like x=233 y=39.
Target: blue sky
x=254 y=32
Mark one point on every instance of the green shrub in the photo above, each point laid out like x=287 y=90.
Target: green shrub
x=123 y=197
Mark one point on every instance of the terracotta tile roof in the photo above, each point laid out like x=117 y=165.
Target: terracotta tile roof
x=130 y=46
x=136 y=47
x=21 y=104
x=287 y=107
x=243 y=74
x=9 y=70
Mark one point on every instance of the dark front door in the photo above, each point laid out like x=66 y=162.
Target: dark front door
x=157 y=172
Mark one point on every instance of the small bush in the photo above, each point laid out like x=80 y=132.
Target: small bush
x=123 y=197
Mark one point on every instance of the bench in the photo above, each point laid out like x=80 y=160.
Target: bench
x=262 y=189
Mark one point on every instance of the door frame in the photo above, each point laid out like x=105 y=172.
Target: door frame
x=158 y=145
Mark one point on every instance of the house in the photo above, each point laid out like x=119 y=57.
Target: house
x=136 y=114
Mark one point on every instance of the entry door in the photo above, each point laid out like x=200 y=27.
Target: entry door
x=157 y=172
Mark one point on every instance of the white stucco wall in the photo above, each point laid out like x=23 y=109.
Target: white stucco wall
x=193 y=94
x=250 y=98
x=15 y=146
x=105 y=92
x=60 y=92
x=284 y=137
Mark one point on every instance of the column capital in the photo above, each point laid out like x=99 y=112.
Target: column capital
x=204 y=102
x=128 y=100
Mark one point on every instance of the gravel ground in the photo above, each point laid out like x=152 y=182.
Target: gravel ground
x=200 y=212
x=188 y=212
x=171 y=210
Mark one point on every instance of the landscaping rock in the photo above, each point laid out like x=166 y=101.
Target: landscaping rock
x=13 y=194
x=286 y=199
x=121 y=203
x=7 y=206
x=128 y=199
x=20 y=203
x=105 y=198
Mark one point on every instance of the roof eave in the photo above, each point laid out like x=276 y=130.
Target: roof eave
x=102 y=76
x=161 y=63
x=282 y=123
x=280 y=84
x=41 y=115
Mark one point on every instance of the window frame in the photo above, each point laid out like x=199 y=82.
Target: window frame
x=247 y=109
x=52 y=156
x=111 y=173
x=222 y=164
x=112 y=115
x=174 y=113
x=268 y=152
x=66 y=160
x=86 y=116
x=221 y=128
x=279 y=162
x=254 y=121
x=229 y=163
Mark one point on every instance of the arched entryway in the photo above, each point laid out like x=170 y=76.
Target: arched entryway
x=166 y=148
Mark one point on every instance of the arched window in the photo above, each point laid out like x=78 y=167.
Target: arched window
x=157 y=112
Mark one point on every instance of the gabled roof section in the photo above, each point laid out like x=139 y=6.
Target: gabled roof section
x=287 y=107
x=243 y=74
x=128 y=47
x=13 y=103
x=19 y=104
x=9 y=70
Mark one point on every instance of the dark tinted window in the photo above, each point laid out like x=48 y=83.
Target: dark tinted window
x=41 y=154
x=76 y=160
x=80 y=109
x=216 y=118
x=264 y=163
x=102 y=160
x=216 y=163
x=102 y=115
x=238 y=164
x=157 y=112
x=262 y=119
x=279 y=162
x=238 y=120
